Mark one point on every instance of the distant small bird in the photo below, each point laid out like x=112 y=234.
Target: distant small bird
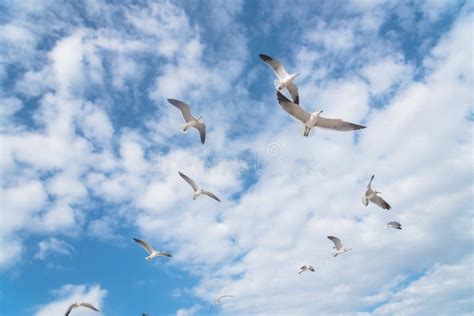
x=395 y=225
x=219 y=300
x=197 y=191
x=314 y=119
x=153 y=253
x=190 y=120
x=338 y=246
x=284 y=80
x=306 y=268
x=371 y=195
x=76 y=305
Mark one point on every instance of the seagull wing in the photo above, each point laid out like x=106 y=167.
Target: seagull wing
x=201 y=127
x=337 y=124
x=311 y=268
x=189 y=180
x=212 y=195
x=276 y=66
x=223 y=296
x=145 y=245
x=165 y=254
x=293 y=90
x=369 y=187
x=396 y=225
x=292 y=108
x=380 y=202
x=70 y=309
x=184 y=108
x=89 y=306
x=336 y=241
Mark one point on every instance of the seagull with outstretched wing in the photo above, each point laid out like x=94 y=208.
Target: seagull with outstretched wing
x=306 y=268
x=395 y=225
x=285 y=80
x=152 y=252
x=338 y=246
x=373 y=196
x=76 y=305
x=314 y=119
x=197 y=191
x=190 y=120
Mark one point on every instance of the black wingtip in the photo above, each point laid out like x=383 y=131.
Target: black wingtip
x=264 y=57
x=281 y=97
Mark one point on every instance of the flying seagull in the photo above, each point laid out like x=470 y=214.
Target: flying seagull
x=338 y=246
x=395 y=225
x=371 y=195
x=306 y=268
x=76 y=305
x=314 y=119
x=190 y=120
x=153 y=253
x=197 y=190
x=284 y=80
x=219 y=300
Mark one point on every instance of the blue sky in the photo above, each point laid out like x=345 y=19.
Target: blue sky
x=91 y=149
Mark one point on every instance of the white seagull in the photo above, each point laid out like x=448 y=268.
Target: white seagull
x=285 y=80
x=190 y=120
x=197 y=191
x=338 y=246
x=306 y=268
x=314 y=119
x=76 y=305
x=395 y=225
x=371 y=195
x=219 y=300
x=152 y=252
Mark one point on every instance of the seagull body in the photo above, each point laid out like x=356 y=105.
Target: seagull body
x=338 y=246
x=285 y=80
x=395 y=225
x=219 y=300
x=197 y=191
x=190 y=120
x=76 y=305
x=152 y=252
x=306 y=268
x=314 y=119
x=372 y=196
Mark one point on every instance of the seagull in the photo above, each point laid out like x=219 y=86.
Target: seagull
x=306 y=268
x=153 y=253
x=395 y=225
x=219 y=300
x=190 y=120
x=338 y=246
x=371 y=195
x=284 y=80
x=314 y=119
x=197 y=190
x=76 y=305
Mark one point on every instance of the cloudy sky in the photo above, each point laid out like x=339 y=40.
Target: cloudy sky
x=90 y=153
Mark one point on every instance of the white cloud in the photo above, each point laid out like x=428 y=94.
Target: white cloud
x=68 y=294
x=385 y=73
x=252 y=244
x=53 y=245
x=441 y=290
